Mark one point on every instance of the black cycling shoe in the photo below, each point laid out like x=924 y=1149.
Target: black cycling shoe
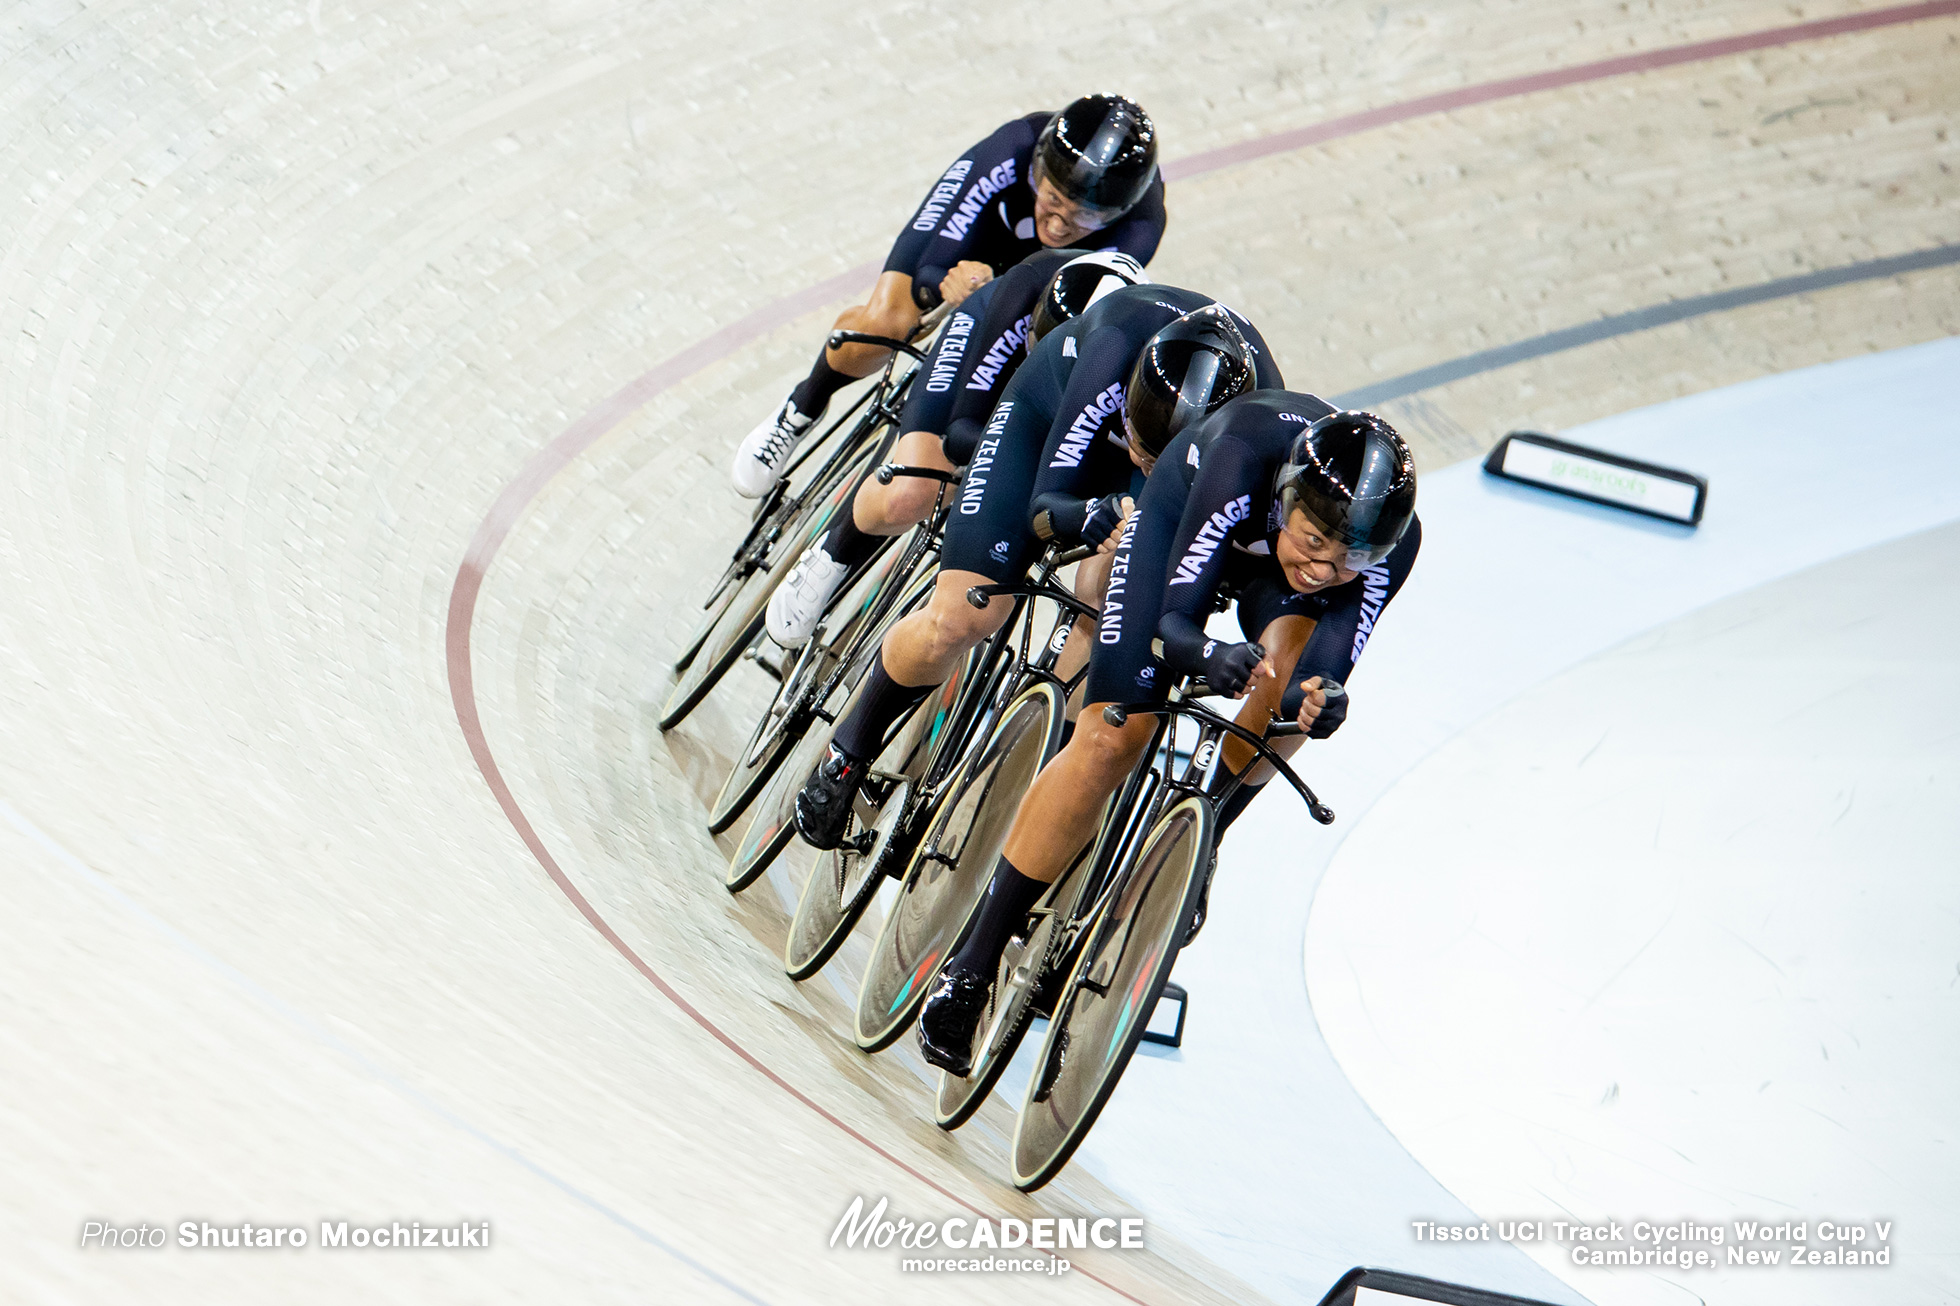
x=948 y=1020
x=823 y=804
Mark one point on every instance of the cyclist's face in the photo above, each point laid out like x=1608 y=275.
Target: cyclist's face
x=1310 y=559
x=1058 y=220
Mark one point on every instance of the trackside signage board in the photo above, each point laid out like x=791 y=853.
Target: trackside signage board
x=1359 y=1287
x=1598 y=476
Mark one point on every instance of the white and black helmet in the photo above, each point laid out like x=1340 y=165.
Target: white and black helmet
x=1079 y=283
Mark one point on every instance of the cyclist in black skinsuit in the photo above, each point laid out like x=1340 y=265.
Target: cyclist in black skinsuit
x=1307 y=516
x=1102 y=393
x=1082 y=179
x=976 y=355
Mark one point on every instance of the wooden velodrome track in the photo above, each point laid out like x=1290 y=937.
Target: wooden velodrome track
x=308 y=822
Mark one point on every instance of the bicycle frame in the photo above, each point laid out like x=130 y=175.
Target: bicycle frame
x=1008 y=668
x=886 y=401
x=1155 y=783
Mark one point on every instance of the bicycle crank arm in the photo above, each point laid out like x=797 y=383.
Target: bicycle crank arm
x=755 y=655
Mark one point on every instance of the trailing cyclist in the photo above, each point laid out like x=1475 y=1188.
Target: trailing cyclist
x=1083 y=179
x=977 y=353
x=1307 y=516
x=1102 y=394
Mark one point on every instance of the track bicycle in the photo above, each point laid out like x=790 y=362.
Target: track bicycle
x=785 y=746
x=1097 y=952
x=954 y=822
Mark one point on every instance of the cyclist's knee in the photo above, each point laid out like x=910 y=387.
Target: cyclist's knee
x=890 y=310
x=1110 y=750
x=909 y=499
x=953 y=625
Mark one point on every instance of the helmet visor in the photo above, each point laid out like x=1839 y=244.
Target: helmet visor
x=1361 y=554
x=1075 y=205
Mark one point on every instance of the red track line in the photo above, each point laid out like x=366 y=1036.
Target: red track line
x=1553 y=79
x=580 y=435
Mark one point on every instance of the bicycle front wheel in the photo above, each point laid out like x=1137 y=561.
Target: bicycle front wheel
x=954 y=861
x=843 y=883
x=739 y=624
x=1104 y=1006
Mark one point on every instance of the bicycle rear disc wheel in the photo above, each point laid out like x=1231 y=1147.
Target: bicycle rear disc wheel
x=952 y=866
x=1107 y=1001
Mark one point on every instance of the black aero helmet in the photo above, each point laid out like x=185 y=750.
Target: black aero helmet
x=1079 y=283
x=1188 y=369
x=1100 y=152
x=1353 y=474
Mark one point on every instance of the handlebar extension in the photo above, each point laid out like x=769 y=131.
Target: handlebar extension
x=1119 y=714
x=889 y=471
x=838 y=339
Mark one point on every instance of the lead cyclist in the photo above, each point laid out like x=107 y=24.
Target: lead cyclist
x=1083 y=179
x=1307 y=515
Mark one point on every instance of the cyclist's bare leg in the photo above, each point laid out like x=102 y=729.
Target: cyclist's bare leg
x=889 y=312
x=1283 y=638
x=1058 y=816
x=907 y=501
x=926 y=647
x=1061 y=810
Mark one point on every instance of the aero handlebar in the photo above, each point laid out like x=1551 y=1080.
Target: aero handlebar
x=1118 y=715
x=838 y=339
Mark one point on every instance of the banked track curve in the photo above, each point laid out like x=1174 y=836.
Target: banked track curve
x=516 y=497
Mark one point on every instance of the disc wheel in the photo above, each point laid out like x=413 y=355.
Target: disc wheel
x=952 y=865
x=1106 y=1002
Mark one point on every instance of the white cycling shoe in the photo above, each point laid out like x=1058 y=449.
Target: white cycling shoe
x=799 y=602
x=766 y=450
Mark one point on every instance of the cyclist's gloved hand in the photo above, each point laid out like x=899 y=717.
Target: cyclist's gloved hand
x=1323 y=706
x=1101 y=518
x=1228 y=667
